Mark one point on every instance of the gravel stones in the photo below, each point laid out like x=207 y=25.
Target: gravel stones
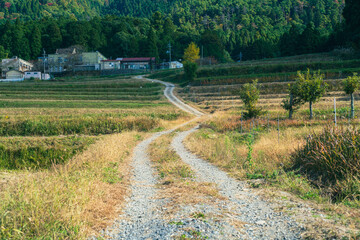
x=261 y=222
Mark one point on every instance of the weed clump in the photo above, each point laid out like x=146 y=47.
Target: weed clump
x=331 y=159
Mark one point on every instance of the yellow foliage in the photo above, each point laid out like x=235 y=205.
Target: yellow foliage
x=191 y=53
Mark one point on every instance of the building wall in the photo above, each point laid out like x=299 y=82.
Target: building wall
x=91 y=58
x=136 y=65
x=110 y=65
x=29 y=75
x=14 y=75
x=15 y=64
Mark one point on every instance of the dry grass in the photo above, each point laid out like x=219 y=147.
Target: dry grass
x=228 y=150
x=322 y=221
x=73 y=200
x=220 y=149
x=177 y=179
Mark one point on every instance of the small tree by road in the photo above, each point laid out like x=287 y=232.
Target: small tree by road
x=350 y=86
x=293 y=101
x=250 y=94
x=311 y=87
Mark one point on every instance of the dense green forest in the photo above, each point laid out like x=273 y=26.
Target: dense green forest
x=256 y=28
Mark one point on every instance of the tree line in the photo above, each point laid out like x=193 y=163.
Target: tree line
x=256 y=29
x=308 y=87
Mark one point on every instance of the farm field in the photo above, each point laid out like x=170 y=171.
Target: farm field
x=65 y=147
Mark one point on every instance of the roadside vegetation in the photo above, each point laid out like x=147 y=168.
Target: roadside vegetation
x=71 y=200
x=302 y=159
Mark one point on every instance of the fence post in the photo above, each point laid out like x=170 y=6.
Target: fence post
x=278 y=128
x=335 y=112
x=241 y=123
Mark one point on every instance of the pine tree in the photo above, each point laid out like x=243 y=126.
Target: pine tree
x=35 y=43
x=20 y=45
x=152 y=49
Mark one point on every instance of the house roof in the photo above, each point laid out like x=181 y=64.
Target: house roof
x=139 y=59
x=13 y=70
x=11 y=61
x=70 y=50
x=109 y=60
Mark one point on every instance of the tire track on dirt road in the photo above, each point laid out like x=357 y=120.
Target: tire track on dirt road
x=260 y=221
x=143 y=216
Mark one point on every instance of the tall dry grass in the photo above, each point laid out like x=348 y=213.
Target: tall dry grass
x=73 y=200
x=332 y=159
x=229 y=150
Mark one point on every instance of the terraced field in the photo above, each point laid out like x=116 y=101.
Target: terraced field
x=78 y=106
x=218 y=87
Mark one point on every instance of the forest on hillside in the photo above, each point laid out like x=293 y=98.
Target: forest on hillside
x=226 y=28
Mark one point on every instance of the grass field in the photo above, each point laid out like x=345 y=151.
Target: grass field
x=65 y=148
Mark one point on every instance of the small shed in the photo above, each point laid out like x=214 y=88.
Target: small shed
x=14 y=74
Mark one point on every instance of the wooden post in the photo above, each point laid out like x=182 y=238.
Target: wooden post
x=335 y=112
x=278 y=130
x=241 y=123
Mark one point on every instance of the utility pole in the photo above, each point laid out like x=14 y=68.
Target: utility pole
x=202 y=54
x=169 y=52
x=44 y=57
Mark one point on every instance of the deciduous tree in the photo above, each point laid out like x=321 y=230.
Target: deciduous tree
x=191 y=53
x=293 y=101
x=350 y=86
x=250 y=94
x=311 y=87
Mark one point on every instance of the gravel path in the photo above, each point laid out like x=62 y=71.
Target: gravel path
x=260 y=221
x=169 y=94
x=143 y=216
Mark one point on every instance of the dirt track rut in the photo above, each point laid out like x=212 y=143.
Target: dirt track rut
x=143 y=214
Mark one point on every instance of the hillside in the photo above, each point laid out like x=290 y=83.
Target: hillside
x=256 y=29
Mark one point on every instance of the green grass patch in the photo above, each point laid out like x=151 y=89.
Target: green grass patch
x=79 y=125
x=40 y=153
x=79 y=104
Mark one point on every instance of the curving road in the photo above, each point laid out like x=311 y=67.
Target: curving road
x=169 y=94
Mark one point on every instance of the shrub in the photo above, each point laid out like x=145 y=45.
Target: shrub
x=332 y=159
x=250 y=94
x=190 y=69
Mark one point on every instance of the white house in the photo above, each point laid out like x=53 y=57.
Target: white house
x=110 y=64
x=171 y=65
x=35 y=75
x=45 y=76
x=176 y=64
x=14 y=75
x=15 y=63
